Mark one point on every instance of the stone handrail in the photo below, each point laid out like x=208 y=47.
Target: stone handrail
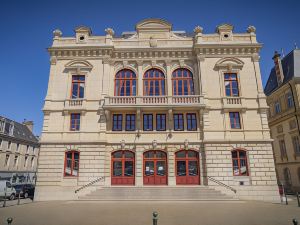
x=221 y=184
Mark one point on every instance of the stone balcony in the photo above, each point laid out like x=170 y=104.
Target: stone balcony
x=74 y=104
x=233 y=102
x=153 y=101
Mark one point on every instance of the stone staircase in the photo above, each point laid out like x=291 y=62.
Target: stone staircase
x=183 y=193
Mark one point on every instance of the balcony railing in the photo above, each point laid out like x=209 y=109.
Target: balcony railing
x=153 y=100
x=232 y=102
x=74 y=103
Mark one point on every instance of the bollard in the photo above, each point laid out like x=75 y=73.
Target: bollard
x=9 y=220
x=286 y=201
x=295 y=222
x=298 y=199
x=19 y=198
x=155 y=218
x=4 y=203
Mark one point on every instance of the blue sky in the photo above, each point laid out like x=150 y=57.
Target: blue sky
x=26 y=32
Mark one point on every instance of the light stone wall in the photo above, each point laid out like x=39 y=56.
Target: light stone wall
x=207 y=56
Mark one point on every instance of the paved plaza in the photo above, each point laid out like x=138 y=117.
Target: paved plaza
x=140 y=213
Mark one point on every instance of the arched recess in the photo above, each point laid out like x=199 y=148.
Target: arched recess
x=182 y=82
x=187 y=167
x=154 y=83
x=125 y=83
x=155 y=168
x=123 y=167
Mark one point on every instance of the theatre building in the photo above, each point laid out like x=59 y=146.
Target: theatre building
x=156 y=109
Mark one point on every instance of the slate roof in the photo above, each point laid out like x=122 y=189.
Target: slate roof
x=291 y=68
x=20 y=132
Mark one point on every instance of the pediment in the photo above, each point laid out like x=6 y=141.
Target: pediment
x=153 y=24
x=79 y=64
x=83 y=29
x=229 y=63
x=224 y=28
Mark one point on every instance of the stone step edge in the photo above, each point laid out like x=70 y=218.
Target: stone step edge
x=160 y=200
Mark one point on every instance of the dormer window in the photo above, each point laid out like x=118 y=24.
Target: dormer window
x=8 y=128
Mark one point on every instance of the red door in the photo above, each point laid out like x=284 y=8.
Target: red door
x=155 y=168
x=187 y=167
x=122 y=168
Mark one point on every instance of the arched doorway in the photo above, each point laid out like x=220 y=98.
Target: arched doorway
x=187 y=167
x=122 y=168
x=155 y=168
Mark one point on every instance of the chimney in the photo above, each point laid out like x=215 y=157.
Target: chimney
x=278 y=67
x=29 y=125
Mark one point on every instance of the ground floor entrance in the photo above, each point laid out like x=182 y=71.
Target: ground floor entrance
x=155 y=168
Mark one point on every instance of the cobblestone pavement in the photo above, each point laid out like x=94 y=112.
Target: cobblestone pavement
x=140 y=213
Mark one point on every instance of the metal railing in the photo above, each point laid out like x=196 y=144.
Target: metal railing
x=221 y=184
x=89 y=184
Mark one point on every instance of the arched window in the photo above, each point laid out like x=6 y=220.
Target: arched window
x=154 y=83
x=287 y=177
x=71 y=163
x=239 y=163
x=182 y=80
x=125 y=83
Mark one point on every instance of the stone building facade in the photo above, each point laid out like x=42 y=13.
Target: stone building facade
x=19 y=148
x=156 y=107
x=283 y=90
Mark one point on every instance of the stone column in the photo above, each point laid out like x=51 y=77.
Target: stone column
x=169 y=78
x=106 y=76
x=255 y=60
x=171 y=168
x=139 y=167
x=202 y=87
x=140 y=78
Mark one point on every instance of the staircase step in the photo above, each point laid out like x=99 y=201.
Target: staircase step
x=190 y=193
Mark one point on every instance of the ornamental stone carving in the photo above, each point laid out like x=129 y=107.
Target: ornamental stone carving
x=198 y=30
x=152 y=42
x=57 y=33
x=251 y=29
x=109 y=31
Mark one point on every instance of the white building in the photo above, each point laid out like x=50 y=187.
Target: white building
x=156 y=107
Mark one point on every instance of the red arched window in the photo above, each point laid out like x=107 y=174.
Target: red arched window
x=182 y=80
x=154 y=83
x=71 y=164
x=239 y=163
x=125 y=83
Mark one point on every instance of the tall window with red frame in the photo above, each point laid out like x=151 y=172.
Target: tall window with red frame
x=78 y=83
x=231 y=85
x=154 y=83
x=75 y=122
x=235 y=122
x=183 y=84
x=71 y=164
x=239 y=163
x=125 y=83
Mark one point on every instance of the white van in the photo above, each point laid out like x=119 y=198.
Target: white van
x=5 y=186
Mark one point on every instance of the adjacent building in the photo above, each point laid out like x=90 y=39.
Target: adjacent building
x=283 y=97
x=156 y=107
x=19 y=149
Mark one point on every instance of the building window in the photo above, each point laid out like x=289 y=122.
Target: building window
x=9 y=145
x=154 y=83
x=235 y=122
x=25 y=161
x=296 y=145
x=277 y=107
x=71 y=164
x=239 y=163
x=282 y=149
x=183 y=84
x=16 y=161
x=32 y=162
x=289 y=98
x=1 y=141
x=231 y=85
x=130 y=122
x=117 y=122
x=6 y=162
x=75 y=122
x=279 y=129
x=178 y=122
x=287 y=177
x=78 y=82
x=160 y=122
x=292 y=124
x=2 y=125
x=125 y=83
x=191 y=120
x=18 y=147
x=147 y=122
x=27 y=149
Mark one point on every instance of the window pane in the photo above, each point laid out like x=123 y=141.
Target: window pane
x=193 y=168
x=75 y=90
x=128 y=169
x=81 y=90
x=149 y=168
x=160 y=155
x=192 y=154
x=161 y=168
x=149 y=154
x=117 y=154
x=117 y=168
x=180 y=154
x=129 y=155
x=234 y=154
x=181 y=168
